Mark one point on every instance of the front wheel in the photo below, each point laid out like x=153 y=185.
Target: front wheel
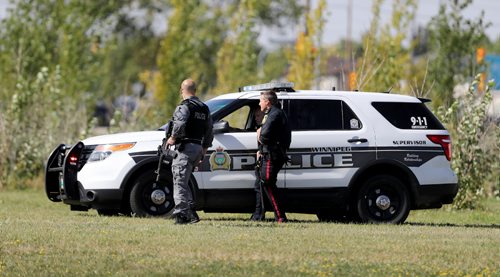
x=149 y=198
x=383 y=199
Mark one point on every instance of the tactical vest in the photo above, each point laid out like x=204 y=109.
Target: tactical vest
x=197 y=122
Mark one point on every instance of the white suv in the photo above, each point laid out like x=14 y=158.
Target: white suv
x=368 y=157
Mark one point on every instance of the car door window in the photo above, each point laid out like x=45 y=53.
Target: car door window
x=311 y=114
x=246 y=118
x=238 y=118
x=349 y=120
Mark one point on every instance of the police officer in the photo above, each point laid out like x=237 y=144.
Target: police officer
x=192 y=135
x=274 y=139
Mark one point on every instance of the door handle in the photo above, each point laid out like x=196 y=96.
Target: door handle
x=357 y=140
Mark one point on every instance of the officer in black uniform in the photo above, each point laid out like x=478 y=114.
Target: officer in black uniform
x=192 y=135
x=274 y=138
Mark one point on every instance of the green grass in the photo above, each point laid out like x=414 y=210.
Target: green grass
x=41 y=238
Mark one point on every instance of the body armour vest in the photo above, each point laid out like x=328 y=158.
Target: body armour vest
x=198 y=118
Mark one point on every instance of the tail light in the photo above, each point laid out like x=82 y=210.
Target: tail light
x=444 y=141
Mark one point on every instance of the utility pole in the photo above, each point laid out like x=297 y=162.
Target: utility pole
x=308 y=10
x=349 y=30
x=348 y=42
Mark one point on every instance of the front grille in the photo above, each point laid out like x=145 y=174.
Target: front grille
x=87 y=151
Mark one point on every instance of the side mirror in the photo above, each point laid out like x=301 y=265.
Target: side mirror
x=220 y=127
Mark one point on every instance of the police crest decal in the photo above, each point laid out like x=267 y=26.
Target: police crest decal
x=220 y=160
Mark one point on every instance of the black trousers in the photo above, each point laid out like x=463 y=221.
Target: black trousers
x=266 y=189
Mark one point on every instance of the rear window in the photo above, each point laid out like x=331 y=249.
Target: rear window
x=405 y=115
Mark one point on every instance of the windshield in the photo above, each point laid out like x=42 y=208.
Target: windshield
x=215 y=105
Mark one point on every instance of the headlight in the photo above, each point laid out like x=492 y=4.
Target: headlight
x=103 y=151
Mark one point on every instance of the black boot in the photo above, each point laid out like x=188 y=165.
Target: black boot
x=194 y=218
x=181 y=219
x=258 y=216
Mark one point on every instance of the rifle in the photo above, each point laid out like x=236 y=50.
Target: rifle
x=166 y=154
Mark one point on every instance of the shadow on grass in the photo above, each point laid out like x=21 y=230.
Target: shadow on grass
x=222 y=219
x=246 y=222
x=267 y=220
x=492 y=226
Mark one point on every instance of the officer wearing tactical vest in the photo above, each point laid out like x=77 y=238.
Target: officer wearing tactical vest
x=192 y=136
x=274 y=138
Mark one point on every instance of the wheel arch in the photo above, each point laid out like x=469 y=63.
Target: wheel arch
x=148 y=164
x=389 y=167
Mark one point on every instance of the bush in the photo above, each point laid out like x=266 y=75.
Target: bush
x=474 y=157
x=37 y=119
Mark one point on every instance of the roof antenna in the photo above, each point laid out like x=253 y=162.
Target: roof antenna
x=389 y=91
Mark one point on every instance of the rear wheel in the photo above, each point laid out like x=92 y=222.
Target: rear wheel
x=149 y=198
x=383 y=199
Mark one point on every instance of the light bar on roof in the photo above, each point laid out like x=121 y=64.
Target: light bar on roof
x=267 y=86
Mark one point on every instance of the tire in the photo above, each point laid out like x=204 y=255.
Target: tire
x=383 y=199
x=151 y=199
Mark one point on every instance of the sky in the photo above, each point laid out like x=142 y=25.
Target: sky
x=336 y=18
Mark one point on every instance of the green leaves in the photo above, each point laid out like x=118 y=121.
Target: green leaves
x=304 y=58
x=59 y=57
x=386 y=61
x=188 y=50
x=473 y=159
x=454 y=41
x=48 y=74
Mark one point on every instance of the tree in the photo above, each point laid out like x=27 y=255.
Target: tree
x=304 y=58
x=275 y=64
x=50 y=72
x=382 y=67
x=454 y=41
x=58 y=57
x=188 y=50
x=237 y=60
x=212 y=43
x=493 y=47
x=126 y=52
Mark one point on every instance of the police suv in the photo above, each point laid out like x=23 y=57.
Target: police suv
x=357 y=156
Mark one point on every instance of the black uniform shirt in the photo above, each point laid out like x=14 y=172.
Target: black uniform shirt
x=273 y=125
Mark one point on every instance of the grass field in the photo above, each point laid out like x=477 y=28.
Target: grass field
x=41 y=238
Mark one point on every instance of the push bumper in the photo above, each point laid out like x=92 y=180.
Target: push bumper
x=61 y=183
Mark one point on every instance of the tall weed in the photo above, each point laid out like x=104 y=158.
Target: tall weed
x=37 y=118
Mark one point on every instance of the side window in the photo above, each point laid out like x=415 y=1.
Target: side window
x=238 y=119
x=350 y=120
x=244 y=116
x=308 y=114
x=311 y=114
x=405 y=115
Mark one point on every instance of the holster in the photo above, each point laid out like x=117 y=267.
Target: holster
x=179 y=146
x=171 y=153
x=165 y=151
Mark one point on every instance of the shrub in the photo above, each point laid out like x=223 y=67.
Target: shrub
x=473 y=159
